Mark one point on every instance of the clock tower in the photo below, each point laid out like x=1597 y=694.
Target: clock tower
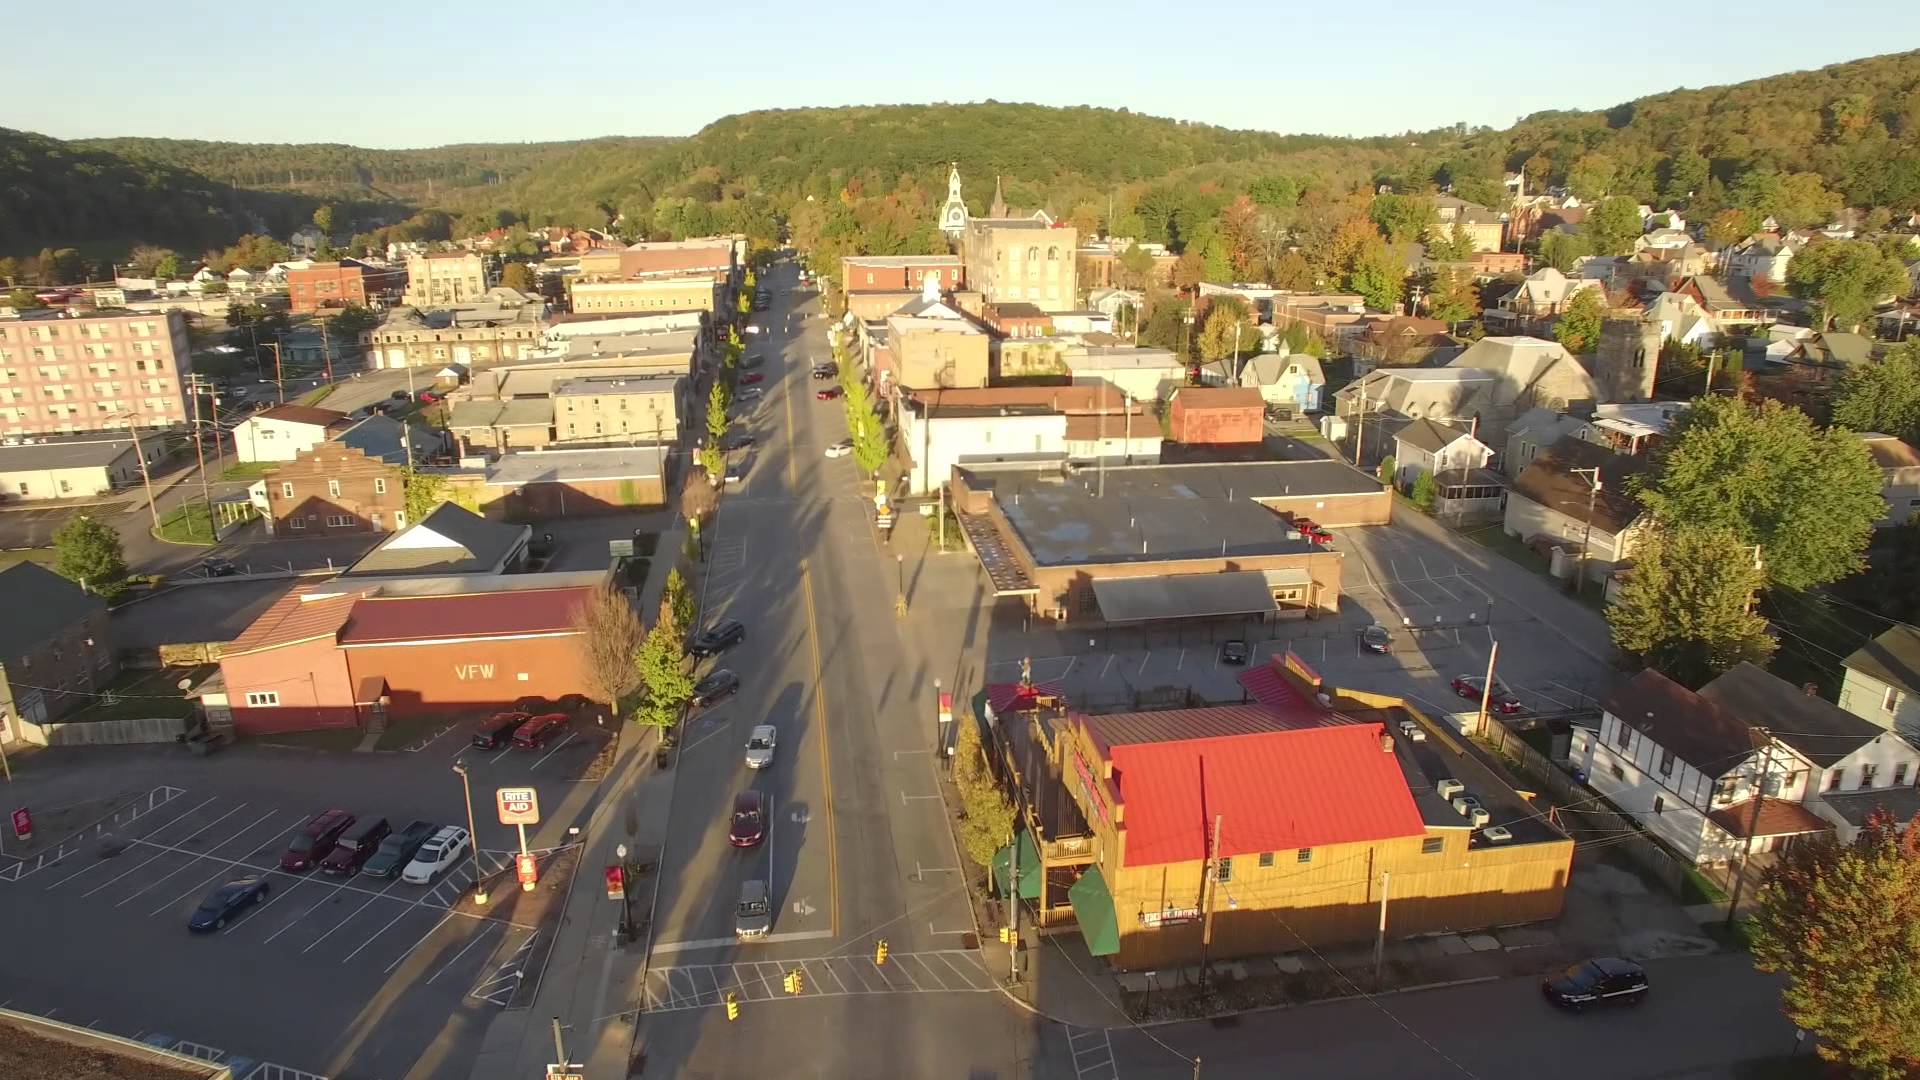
x=953 y=215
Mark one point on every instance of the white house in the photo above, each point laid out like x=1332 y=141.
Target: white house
x=449 y=540
x=1295 y=381
x=1681 y=320
x=1899 y=465
x=280 y=433
x=240 y=279
x=1430 y=446
x=1141 y=374
x=204 y=277
x=1763 y=255
x=944 y=428
x=1882 y=683
x=1576 y=494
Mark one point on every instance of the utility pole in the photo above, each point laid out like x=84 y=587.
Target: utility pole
x=1360 y=424
x=1212 y=887
x=279 y=383
x=1753 y=823
x=200 y=459
x=1586 y=539
x=473 y=838
x=326 y=350
x=1380 y=941
x=559 y=1047
x=140 y=455
x=1486 y=692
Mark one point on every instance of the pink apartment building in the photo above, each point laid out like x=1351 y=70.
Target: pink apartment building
x=91 y=372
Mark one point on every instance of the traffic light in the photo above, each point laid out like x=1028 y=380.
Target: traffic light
x=880 y=952
x=733 y=1006
x=1006 y=935
x=616 y=882
x=794 y=982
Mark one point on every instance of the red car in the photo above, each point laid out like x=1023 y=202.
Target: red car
x=1312 y=531
x=316 y=841
x=749 y=825
x=538 y=730
x=827 y=394
x=752 y=377
x=1500 y=701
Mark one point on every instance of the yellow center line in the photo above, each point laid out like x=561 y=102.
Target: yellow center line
x=826 y=770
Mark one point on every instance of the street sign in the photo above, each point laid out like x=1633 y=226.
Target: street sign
x=564 y=1072
x=616 y=883
x=527 y=870
x=22 y=824
x=518 y=805
x=618 y=548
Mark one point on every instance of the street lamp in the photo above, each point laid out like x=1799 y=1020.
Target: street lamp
x=473 y=836
x=900 y=563
x=627 y=929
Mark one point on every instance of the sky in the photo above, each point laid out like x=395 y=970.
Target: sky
x=410 y=73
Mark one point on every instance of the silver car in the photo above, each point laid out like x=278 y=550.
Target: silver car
x=753 y=916
x=760 y=745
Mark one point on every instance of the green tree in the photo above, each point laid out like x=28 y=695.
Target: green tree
x=168 y=268
x=1451 y=297
x=214 y=288
x=1591 y=177
x=1883 y=397
x=1561 y=250
x=665 y=683
x=1579 y=326
x=1134 y=269
x=1378 y=274
x=1228 y=333
x=1613 y=226
x=1682 y=175
x=1456 y=245
x=1845 y=280
x=519 y=276
x=422 y=492
x=986 y=814
x=1401 y=218
x=713 y=462
x=62 y=267
x=1728 y=228
x=1842 y=923
x=1686 y=608
x=677 y=601
x=87 y=551
x=1764 y=473
x=22 y=298
x=1425 y=491
x=11 y=273
x=869 y=437
x=324 y=219
x=352 y=321
x=718 y=400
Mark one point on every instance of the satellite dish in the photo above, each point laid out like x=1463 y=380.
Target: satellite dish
x=184 y=684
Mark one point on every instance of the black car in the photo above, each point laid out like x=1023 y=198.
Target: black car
x=218 y=567
x=398 y=849
x=738 y=442
x=1375 y=638
x=716 y=687
x=717 y=638
x=227 y=901
x=825 y=371
x=1605 y=980
x=1233 y=652
x=752 y=362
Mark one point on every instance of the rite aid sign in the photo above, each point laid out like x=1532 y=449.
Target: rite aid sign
x=518 y=805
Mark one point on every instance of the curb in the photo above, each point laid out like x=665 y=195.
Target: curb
x=1258 y=1009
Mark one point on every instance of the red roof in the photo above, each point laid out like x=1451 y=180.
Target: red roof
x=1273 y=791
x=295 y=617
x=384 y=619
x=1269 y=687
x=1004 y=696
x=1777 y=817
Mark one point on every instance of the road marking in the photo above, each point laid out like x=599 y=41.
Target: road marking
x=826 y=769
x=732 y=942
x=243 y=831
x=417 y=943
x=102 y=862
x=368 y=902
x=793 y=484
x=404 y=912
x=557 y=748
x=931 y=930
x=666 y=988
x=444 y=968
x=904 y=797
x=157 y=854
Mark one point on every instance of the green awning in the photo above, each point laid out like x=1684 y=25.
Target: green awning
x=1093 y=908
x=1029 y=868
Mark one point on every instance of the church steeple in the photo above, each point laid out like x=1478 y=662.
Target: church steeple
x=999 y=206
x=953 y=215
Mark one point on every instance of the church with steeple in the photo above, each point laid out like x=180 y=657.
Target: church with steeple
x=953 y=216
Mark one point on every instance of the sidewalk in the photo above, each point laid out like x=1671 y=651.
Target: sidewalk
x=592 y=984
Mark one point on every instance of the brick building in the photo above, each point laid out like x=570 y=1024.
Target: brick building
x=440 y=278
x=62 y=374
x=341 y=284
x=1217 y=415
x=679 y=293
x=893 y=273
x=351 y=484
x=1009 y=260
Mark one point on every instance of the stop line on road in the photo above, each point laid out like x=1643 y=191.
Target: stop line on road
x=706 y=986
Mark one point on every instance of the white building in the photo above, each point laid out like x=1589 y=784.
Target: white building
x=944 y=428
x=1555 y=498
x=1882 y=683
x=1140 y=374
x=280 y=433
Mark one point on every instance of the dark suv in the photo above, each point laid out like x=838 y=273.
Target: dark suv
x=355 y=848
x=315 y=841
x=1605 y=980
x=717 y=638
x=498 y=728
x=398 y=849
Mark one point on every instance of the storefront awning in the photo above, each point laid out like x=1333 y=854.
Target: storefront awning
x=1093 y=910
x=1184 y=596
x=1029 y=868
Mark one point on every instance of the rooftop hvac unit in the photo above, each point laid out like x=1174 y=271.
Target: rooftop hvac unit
x=1412 y=730
x=1465 y=804
x=1449 y=787
x=1478 y=816
x=1498 y=834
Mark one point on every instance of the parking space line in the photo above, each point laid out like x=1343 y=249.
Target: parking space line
x=444 y=968
x=417 y=943
x=556 y=749
x=300 y=917
x=404 y=912
x=157 y=854
x=243 y=831
x=356 y=911
x=102 y=862
x=502 y=753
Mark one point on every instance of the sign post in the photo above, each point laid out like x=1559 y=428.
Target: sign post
x=520 y=807
x=22 y=824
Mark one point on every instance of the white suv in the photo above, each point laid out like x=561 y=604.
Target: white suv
x=437 y=855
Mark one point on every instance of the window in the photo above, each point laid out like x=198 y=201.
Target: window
x=333 y=489
x=1618 y=772
x=1833 y=781
x=1621 y=735
x=1666 y=763
x=1223 y=871
x=1867 y=773
x=263 y=699
x=1053 y=254
x=1659 y=804
x=296 y=523
x=379 y=485
x=1892 y=700
x=1900 y=775
x=1432 y=845
x=1304 y=855
x=339 y=521
x=1266 y=859
x=286 y=489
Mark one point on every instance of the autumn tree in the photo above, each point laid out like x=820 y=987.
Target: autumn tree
x=677 y=603
x=609 y=640
x=1579 y=327
x=1451 y=297
x=987 y=815
x=1613 y=226
x=1292 y=271
x=665 y=683
x=1842 y=923
x=324 y=219
x=519 y=277
x=1686 y=608
x=1228 y=332
x=1845 y=280
x=1728 y=228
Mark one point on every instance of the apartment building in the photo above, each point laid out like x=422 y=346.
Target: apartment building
x=1009 y=260
x=62 y=373
x=644 y=408
x=439 y=278
x=697 y=292
x=347 y=283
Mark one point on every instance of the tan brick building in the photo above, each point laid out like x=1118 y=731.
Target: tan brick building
x=334 y=489
x=494 y=329
x=602 y=408
x=339 y=284
x=93 y=372
x=1010 y=260
x=680 y=293
x=441 y=278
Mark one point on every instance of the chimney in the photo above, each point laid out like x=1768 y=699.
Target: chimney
x=1386 y=743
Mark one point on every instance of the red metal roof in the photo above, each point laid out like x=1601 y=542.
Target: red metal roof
x=384 y=619
x=1004 y=696
x=1273 y=791
x=296 y=617
x=1269 y=687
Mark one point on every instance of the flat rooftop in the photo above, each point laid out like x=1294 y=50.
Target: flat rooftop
x=1431 y=760
x=57 y=453
x=604 y=385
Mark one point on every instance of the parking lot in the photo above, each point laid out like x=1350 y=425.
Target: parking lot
x=325 y=972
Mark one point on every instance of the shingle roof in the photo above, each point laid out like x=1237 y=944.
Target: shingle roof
x=1777 y=817
x=1854 y=807
x=466 y=542
x=1819 y=730
x=1889 y=452
x=1270 y=790
x=1430 y=435
x=306 y=613
x=39 y=605
x=1549 y=482
x=1700 y=732
x=387 y=619
x=302 y=414
x=1893 y=658
x=97 y=452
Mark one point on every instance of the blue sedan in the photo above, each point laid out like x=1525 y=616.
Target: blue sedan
x=227 y=901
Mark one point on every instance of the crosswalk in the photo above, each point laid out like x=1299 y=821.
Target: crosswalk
x=705 y=986
x=1092 y=1054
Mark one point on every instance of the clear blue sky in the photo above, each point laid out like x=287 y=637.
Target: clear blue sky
x=417 y=73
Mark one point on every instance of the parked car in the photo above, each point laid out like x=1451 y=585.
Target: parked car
x=428 y=397
x=316 y=841
x=1312 y=531
x=437 y=855
x=753 y=915
x=715 y=688
x=750 y=393
x=227 y=901
x=717 y=638
x=1473 y=687
x=1376 y=638
x=1234 y=652
x=738 y=442
x=398 y=395
x=760 y=746
x=751 y=378
x=747 y=826
x=827 y=393
x=737 y=469
x=538 y=730
x=355 y=847
x=218 y=567
x=498 y=728
x=1604 y=980
x=840 y=449
x=826 y=371
x=398 y=849
x=752 y=362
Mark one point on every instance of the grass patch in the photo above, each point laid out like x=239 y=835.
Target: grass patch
x=249 y=470
x=1701 y=889
x=188 y=523
x=138 y=695
x=1737 y=938
x=316 y=395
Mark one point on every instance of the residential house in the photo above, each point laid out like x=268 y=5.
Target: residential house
x=1529 y=373
x=1763 y=255
x=307 y=239
x=281 y=432
x=1533 y=432
x=1634 y=428
x=1142 y=374
x=1882 y=682
x=55 y=648
x=74 y=467
x=352 y=483
x=1113 y=302
x=1540 y=297
x=1681 y=320
x=1822 y=355
x=1576 y=497
x=1290 y=381
x=1403 y=340
x=1486 y=228
x=449 y=540
x=1899 y=466
x=1432 y=446
x=1730 y=304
